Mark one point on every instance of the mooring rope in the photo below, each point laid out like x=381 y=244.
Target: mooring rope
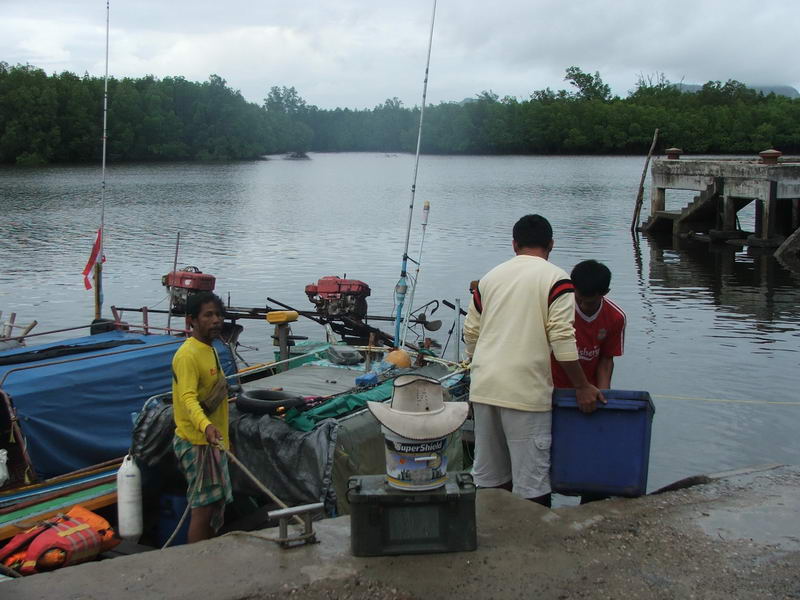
x=727 y=400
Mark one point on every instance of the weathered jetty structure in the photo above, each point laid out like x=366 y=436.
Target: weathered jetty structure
x=726 y=186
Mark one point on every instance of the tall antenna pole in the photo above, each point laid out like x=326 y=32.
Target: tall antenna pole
x=402 y=284
x=98 y=266
x=426 y=208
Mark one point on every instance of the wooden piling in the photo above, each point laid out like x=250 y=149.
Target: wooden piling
x=640 y=195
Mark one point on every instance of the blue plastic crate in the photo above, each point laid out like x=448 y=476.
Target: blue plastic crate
x=606 y=452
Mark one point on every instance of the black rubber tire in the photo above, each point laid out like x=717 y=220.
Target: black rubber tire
x=266 y=402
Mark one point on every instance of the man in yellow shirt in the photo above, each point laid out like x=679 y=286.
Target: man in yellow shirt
x=521 y=311
x=200 y=410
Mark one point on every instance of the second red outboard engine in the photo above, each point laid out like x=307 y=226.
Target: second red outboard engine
x=337 y=297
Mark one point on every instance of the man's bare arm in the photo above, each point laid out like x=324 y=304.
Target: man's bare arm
x=586 y=394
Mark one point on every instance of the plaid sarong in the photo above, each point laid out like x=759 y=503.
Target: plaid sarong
x=207 y=478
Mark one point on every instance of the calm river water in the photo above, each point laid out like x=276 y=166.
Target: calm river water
x=712 y=333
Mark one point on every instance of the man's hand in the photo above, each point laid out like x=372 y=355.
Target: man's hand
x=588 y=396
x=213 y=435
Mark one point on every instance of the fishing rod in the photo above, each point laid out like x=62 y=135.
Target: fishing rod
x=401 y=287
x=98 y=265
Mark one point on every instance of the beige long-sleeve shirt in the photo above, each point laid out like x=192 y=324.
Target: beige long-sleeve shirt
x=527 y=309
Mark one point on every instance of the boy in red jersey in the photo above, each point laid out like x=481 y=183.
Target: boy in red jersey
x=599 y=332
x=599 y=326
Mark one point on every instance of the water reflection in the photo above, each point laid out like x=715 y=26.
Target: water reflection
x=746 y=283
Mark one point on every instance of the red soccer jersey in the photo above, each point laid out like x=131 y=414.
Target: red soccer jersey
x=602 y=334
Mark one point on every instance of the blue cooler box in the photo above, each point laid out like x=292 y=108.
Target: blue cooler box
x=606 y=452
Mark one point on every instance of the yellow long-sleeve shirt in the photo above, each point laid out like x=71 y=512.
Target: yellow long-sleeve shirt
x=195 y=371
x=528 y=308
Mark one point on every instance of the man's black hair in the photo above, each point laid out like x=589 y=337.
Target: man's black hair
x=591 y=278
x=533 y=231
x=195 y=303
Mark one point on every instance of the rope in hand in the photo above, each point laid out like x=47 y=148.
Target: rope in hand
x=253 y=478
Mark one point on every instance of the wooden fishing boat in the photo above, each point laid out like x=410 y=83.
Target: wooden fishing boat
x=66 y=409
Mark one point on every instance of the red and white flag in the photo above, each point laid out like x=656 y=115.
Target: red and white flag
x=94 y=258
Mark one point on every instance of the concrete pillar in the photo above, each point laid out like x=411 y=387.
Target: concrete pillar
x=759 y=216
x=728 y=213
x=770 y=211
x=658 y=199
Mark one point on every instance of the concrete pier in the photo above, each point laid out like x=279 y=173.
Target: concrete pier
x=735 y=537
x=725 y=187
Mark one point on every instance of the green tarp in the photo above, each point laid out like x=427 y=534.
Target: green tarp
x=341 y=405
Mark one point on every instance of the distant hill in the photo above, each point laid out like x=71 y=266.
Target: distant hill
x=778 y=90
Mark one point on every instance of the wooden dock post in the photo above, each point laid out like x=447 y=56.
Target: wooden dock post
x=640 y=194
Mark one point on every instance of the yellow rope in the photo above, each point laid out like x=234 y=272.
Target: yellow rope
x=728 y=400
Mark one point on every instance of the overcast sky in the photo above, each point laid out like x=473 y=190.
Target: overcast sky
x=358 y=53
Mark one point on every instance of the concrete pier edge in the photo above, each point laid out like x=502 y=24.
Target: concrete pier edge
x=737 y=536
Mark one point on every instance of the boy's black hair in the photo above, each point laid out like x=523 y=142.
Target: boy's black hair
x=195 y=302
x=533 y=231
x=591 y=278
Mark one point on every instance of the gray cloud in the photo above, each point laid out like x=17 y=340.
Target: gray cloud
x=358 y=53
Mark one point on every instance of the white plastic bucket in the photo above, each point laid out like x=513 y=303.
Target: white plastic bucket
x=415 y=465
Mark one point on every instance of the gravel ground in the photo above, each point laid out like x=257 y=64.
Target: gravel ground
x=668 y=546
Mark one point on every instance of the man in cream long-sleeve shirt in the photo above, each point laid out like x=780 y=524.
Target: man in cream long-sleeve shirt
x=520 y=311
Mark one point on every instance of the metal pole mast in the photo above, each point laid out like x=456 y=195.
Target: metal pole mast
x=98 y=266
x=402 y=284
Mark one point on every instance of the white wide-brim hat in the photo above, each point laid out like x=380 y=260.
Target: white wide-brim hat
x=417 y=410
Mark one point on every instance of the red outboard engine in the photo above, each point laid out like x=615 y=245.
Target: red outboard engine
x=337 y=297
x=182 y=284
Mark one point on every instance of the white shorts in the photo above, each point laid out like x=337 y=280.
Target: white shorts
x=512 y=445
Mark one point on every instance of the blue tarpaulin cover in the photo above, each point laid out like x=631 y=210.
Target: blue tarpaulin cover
x=76 y=410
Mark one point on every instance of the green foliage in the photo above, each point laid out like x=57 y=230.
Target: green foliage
x=58 y=118
x=590 y=87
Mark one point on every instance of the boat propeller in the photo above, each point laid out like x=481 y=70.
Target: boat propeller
x=423 y=319
x=434 y=325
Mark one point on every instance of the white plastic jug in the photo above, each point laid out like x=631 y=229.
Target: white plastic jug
x=3 y=467
x=129 y=500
